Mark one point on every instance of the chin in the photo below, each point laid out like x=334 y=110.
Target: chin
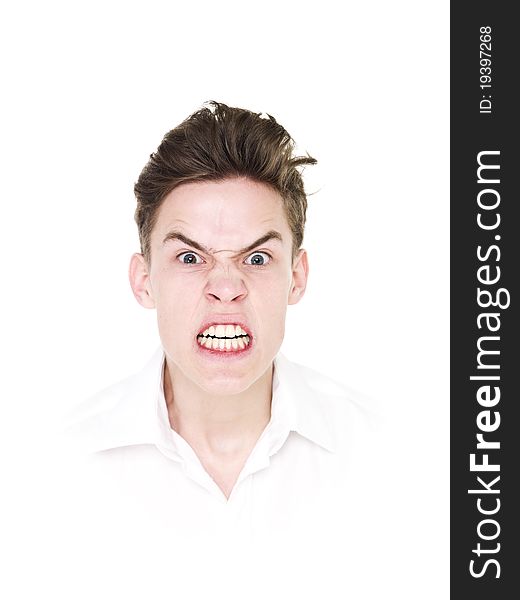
x=228 y=380
x=224 y=390
x=226 y=384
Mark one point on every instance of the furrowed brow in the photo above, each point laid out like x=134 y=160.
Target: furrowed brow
x=270 y=235
x=177 y=235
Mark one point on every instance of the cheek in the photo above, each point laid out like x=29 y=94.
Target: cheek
x=176 y=299
x=275 y=289
x=271 y=302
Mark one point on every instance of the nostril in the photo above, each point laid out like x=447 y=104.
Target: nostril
x=224 y=288
x=227 y=295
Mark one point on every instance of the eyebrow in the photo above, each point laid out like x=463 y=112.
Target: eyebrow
x=177 y=235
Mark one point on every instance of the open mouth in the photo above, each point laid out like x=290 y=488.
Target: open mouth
x=224 y=338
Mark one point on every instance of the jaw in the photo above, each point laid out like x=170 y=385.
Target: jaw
x=220 y=373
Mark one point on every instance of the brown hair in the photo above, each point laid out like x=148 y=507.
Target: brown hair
x=213 y=144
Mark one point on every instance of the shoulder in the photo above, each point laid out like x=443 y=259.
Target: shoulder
x=349 y=414
x=102 y=402
x=324 y=390
x=118 y=415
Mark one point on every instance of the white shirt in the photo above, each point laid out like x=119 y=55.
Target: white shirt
x=301 y=511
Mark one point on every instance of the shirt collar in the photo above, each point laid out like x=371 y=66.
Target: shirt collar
x=298 y=405
x=139 y=415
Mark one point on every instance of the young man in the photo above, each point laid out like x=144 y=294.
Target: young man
x=220 y=441
x=221 y=210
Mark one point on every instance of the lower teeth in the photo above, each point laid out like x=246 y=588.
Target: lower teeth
x=225 y=344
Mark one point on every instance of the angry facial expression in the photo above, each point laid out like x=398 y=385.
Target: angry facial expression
x=221 y=275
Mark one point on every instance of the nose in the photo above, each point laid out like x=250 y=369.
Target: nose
x=225 y=286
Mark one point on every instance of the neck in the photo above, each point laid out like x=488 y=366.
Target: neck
x=217 y=425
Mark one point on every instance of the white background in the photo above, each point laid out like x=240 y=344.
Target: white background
x=89 y=89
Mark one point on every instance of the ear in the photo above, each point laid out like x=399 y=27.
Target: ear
x=300 y=272
x=140 y=281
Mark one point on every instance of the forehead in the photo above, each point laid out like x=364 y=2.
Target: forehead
x=227 y=212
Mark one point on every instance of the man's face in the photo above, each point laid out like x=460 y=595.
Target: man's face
x=221 y=277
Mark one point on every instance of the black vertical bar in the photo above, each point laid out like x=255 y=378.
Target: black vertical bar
x=485 y=120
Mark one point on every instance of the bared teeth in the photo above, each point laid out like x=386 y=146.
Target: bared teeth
x=224 y=338
x=224 y=332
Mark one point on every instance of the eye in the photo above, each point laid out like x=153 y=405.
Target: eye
x=190 y=258
x=258 y=259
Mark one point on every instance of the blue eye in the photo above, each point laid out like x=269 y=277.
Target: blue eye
x=190 y=258
x=258 y=259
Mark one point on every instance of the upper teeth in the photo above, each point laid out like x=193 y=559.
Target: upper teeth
x=224 y=331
